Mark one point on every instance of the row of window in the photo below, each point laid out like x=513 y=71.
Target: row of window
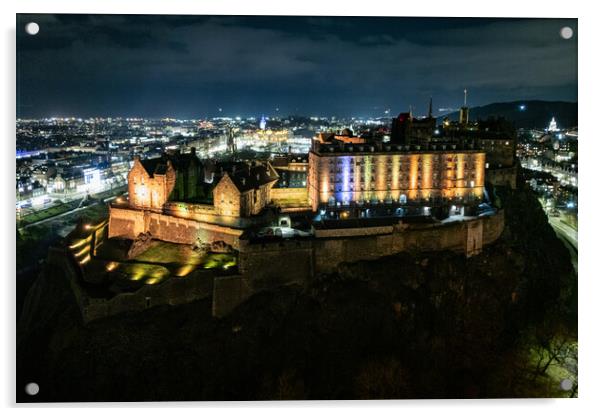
x=449 y=184
x=373 y=199
x=402 y=169
x=402 y=178
x=389 y=160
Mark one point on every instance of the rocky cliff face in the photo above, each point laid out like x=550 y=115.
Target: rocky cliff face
x=414 y=325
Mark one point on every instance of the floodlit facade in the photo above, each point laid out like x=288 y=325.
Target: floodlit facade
x=344 y=176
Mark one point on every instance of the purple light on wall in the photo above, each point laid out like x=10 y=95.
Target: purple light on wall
x=346 y=172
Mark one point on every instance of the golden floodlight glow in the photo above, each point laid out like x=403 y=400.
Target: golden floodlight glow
x=413 y=176
x=381 y=177
x=157 y=277
x=427 y=175
x=83 y=251
x=185 y=270
x=325 y=184
x=395 y=177
x=85 y=260
x=138 y=275
x=81 y=242
x=111 y=266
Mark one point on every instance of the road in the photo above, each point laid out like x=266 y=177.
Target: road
x=567 y=231
x=568 y=235
x=73 y=211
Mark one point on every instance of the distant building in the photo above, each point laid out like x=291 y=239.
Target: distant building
x=553 y=127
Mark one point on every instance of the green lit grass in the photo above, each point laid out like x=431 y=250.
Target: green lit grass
x=168 y=253
x=218 y=260
x=141 y=272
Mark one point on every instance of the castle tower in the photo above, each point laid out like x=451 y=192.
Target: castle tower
x=464 y=110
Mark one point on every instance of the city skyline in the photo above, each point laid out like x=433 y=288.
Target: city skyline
x=193 y=66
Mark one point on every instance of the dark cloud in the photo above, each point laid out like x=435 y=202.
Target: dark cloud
x=189 y=66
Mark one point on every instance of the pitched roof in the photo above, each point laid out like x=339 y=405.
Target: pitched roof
x=251 y=177
x=155 y=165
x=158 y=165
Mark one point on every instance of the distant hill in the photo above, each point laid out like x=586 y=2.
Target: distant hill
x=536 y=114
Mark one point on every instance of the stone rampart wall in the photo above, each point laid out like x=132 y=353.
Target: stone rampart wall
x=289 y=193
x=173 y=291
x=330 y=248
x=129 y=223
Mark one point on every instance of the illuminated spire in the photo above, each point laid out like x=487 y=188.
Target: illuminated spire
x=465 y=96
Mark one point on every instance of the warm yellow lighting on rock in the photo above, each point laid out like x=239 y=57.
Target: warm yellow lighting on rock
x=111 y=266
x=139 y=275
x=83 y=251
x=81 y=242
x=154 y=280
x=85 y=260
x=185 y=270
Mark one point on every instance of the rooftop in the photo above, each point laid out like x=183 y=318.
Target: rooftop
x=376 y=147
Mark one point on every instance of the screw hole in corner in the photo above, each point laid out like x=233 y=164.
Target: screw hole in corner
x=32 y=28
x=32 y=389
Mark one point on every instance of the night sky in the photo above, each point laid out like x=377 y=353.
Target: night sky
x=190 y=66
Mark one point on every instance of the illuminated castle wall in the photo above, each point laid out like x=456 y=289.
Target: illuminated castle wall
x=150 y=190
x=152 y=182
x=356 y=174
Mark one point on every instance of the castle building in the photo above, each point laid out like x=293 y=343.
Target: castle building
x=407 y=130
x=495 y=136
x=292 y=171
x=355 y=178
x=175 y=176
x=238 y=189
x=245 y=190
x=176 y=197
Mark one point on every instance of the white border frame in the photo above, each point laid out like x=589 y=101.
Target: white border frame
x=589 y=95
